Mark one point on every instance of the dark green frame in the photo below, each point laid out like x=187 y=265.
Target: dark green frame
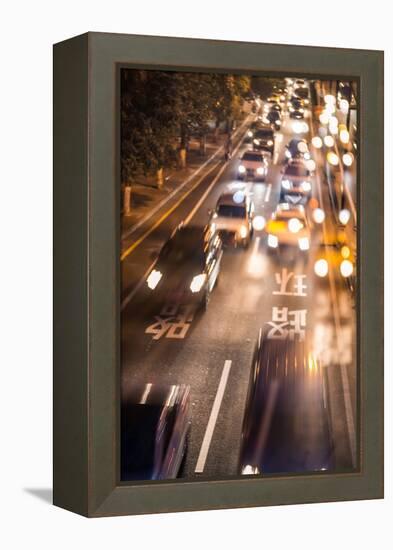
x=86 y=273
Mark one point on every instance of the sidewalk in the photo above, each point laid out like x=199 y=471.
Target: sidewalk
x=146 y=198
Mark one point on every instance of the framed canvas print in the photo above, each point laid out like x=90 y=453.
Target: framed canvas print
x=218 y=274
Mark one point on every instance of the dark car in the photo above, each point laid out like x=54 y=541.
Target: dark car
x=286 y=425
x=264 y=140
x=274 y=119
x=297 y=148
x=187 y=266
x=302 y=92
x=155 y=422
x=254 y=126
x=296 y=184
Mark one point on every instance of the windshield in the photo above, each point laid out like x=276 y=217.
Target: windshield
x=266 y=134
x=302 y=92
x=231 y=211
x=296 y=171
x=251 y=156
x=180 y=250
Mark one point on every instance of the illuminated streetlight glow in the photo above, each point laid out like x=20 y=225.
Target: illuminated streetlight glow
x=332 y=158
x=346 y=268
x=321 y=267
x=318 y=215
x=348 y=159
x=344 y=136
x=344 y=216
x=330 y=99
x=317 y=142
x=259 y=223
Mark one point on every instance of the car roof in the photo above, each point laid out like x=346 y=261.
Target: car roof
x=227 y=198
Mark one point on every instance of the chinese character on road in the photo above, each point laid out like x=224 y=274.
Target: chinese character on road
x=287 y=323
x=283 y=279
x=171 y=323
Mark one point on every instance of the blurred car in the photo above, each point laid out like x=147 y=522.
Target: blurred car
x=297 y=148
x=303 y=93
x=274 y=118
x=288 y=227
x=286 y=427
x=187 y=266
x=155 y=422
x=264 y=139
x=296 y=113
x=338 y=258
x=254 y=126
x=276 y=107
x=253 y=164
x=296 y=181
x=233 y=217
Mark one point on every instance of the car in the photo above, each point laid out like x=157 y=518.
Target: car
x=276 y=107
x=297 y=148
x=254 y=126
x=295 y=181
x=155 y=423
x=288 y=227
x=339 y=258
x=264 y=139
x=187 y=267
x=303 y=93
x=253 y=164
x=274 y=119
x=233 y=217
x=286 y=425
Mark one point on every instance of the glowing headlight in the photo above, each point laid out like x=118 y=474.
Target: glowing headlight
x=318 y=215
x=306 y=186
x=197 y=282
x=250 y=470
x=301 y=110
x=278 y=122
x=348 y=159
x=294 y=225
x=272 y=241
x=288 y=154
x=304 y=243
x=286 y=184
x=270 y=142
x=344 y=216
x=291 y=109
x=307 y=156
x=243 y=231
x=260 y=170
x=317 y=142
x=321 y=267
x=346 y=268
x=256 y=141
x=249 y=133
x=242 y=169
x=153 y=279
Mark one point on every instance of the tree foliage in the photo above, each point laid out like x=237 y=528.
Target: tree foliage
x=160 y=110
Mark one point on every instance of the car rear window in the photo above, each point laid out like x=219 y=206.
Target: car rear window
x=252 y=156
x=231 y=211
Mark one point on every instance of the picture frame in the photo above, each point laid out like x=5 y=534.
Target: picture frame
x=87 y=273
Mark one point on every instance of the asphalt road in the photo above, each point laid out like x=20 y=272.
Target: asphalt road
x=213 y=350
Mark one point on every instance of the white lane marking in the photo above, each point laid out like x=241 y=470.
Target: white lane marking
x=200 y=466
x=336 y=315
x=145 y=394
x=268 y=191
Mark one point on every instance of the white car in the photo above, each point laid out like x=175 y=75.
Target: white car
x=232 y=218
x=253 y=164
x=288 y=226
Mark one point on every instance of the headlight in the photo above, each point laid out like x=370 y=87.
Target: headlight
x=346 y=268
x=291 y=109
x=243 y=231
x=153 y=279
x=307 y=156
x=288 y=154
x=197 y=282
x=304 y=243
x=260 y=170
x=306 y=186
x=301 y=110
x=249 y=470
x=270 y=142
x=321 y=267
x=256 y=141
x=272 y=241
x=294 y=225
x=242 y=169
x=278 y=122
x=286 y=184
x=249 y=133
